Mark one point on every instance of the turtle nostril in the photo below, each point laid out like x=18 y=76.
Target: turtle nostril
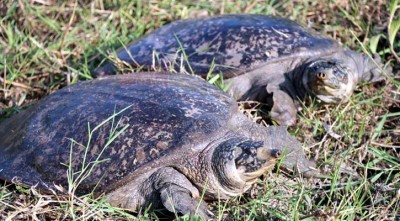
x=276 y=153
x=321 y=76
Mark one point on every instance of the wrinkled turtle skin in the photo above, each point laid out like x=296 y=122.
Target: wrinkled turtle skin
x=270 y=59
x=181 y=134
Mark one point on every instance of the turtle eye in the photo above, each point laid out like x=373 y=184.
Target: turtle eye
x=321 y=76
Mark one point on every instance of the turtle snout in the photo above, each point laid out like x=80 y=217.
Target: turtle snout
x=276 y=153
x=327 y=78
x=321 y=76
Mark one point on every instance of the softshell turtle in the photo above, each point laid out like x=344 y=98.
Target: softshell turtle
x=270 y=59
x=155 y=139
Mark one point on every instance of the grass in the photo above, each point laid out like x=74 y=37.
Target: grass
x=47 y=45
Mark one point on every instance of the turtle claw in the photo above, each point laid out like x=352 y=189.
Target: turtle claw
x=106 y=70
x=202 y=213
x=296 y=162
x=309 y=171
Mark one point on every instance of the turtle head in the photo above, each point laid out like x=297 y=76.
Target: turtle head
x=328 y=80
x=238 y=162
x=252 y=159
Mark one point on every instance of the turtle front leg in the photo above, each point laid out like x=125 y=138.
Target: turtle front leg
x=177 y=193
x=178 y=199
x=283 y=109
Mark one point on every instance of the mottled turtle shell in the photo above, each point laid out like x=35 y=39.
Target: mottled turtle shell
x=234 y=43
x=170 y=117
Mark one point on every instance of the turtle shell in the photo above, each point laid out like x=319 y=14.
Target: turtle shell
x=233 y=43
x=160 y=118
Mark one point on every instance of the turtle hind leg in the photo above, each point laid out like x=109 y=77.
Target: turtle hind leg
x=367 y=69
x=374 y=70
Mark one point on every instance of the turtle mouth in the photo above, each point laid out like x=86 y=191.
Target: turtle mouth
x=264 y=160
x=326 y=92
x=251 y=177
x=325 y=88
x=328 y=84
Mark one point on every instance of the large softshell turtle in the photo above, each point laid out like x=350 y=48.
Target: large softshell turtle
x=177 y=134
x=270 y=59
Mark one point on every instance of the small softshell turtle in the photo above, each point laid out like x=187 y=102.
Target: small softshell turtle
x=270 y=59
x=177 y=134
